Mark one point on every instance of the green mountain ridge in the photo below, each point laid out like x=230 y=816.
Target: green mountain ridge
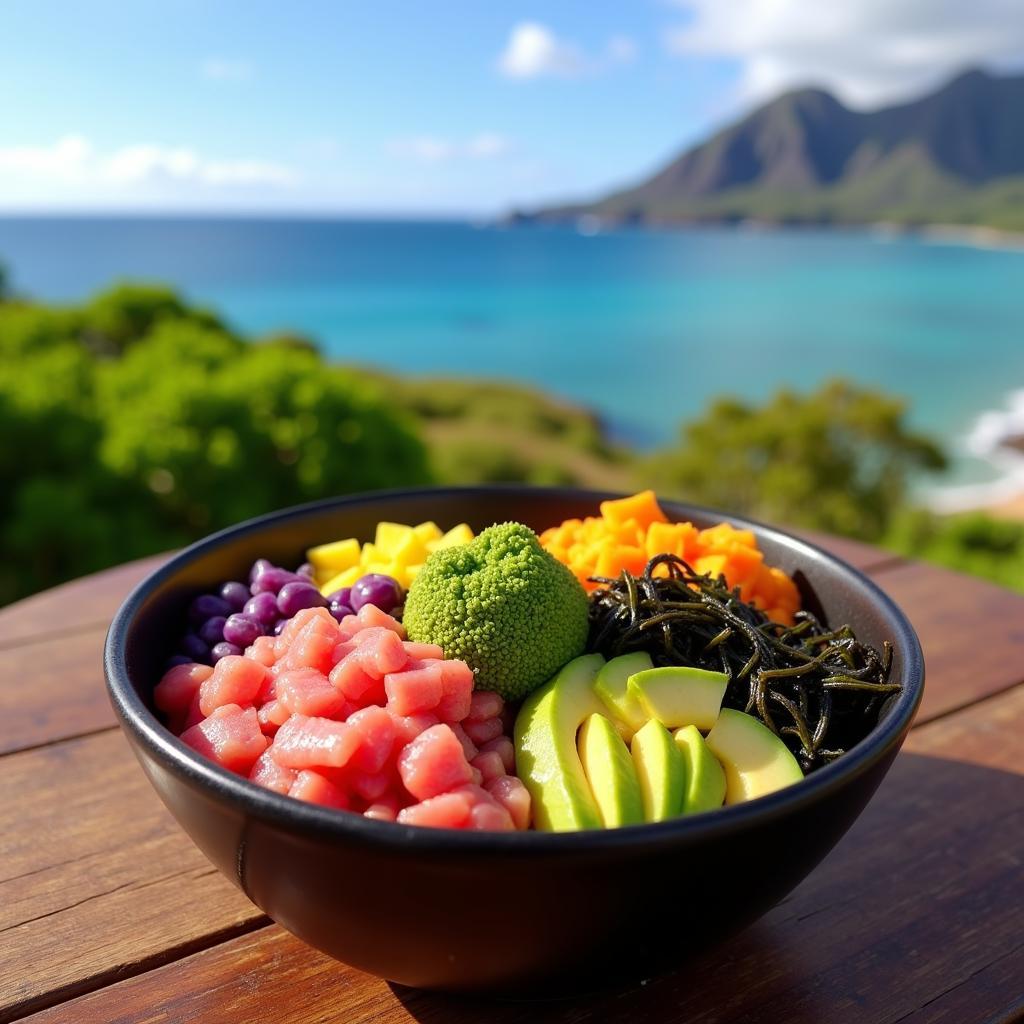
x=955 y=156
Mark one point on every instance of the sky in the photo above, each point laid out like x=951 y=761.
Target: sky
x=454 y=107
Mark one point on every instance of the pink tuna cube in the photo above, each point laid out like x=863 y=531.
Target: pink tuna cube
x=268 y=773
x=415 y=689
x=230 y=736
x=312 y=787
x=314 y=742
x=433 y=763
x=234 y=680
x=450 y=810
x=306 y=691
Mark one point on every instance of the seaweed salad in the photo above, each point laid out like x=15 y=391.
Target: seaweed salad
x=821 y=690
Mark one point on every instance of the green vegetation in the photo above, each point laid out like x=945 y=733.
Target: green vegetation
x=135 y=423
x=838 y=460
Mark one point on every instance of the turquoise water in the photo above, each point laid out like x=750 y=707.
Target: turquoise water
x=644 y=327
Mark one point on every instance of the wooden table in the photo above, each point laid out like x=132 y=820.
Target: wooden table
x=108 y=913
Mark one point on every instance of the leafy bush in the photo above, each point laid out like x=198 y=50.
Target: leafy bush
x=135 y=424
x=838 y=459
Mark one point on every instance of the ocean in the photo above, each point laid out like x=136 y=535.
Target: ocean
x=645 y=327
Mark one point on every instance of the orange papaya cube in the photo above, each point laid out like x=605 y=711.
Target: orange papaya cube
x=765 y=588
x=712 y=565
x=780 y=615
x=787 y=594
x=744 y=564
x=725 y=535
x=665 y=539
x=643 y=507
x=630 y=532
x=632 y=558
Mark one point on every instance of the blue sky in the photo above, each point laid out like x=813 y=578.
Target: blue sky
x=446 y=107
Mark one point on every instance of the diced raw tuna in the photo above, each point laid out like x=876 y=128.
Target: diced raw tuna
x=414 y=689
x=490 y=817
x=485 y=704
x=372 y=786
x=297 y=623
x=370 y=615
x=408 y=727
x=195 y=713
x=489 y=764
x=268 y=773
x=272 y=716
x=381 y=811
x=433 y=763
x=230 y=736
x=313 y=645
x=375 y=730
x=513 y=796
x=379 y=651
x=450 y=810
x=422 y=652
x=483 y=731
x=314 y=742
x=456 y=691
x=312 y=787
x=505 y=749
x=305 y=691
x=263 y=649
x=469 y=748
x=234 y=680
x=179 y=685
x=350 y=679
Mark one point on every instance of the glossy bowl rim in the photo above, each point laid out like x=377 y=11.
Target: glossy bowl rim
x=250 y=799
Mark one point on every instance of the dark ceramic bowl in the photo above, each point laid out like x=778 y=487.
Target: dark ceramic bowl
x=495 y=911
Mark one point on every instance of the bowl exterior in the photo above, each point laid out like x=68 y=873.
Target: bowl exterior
x=511 y=913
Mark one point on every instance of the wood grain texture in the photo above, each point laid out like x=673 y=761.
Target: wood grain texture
x=914 y=917
x=53 y=689
x=96 y=878
x=972 y=633
x=89 y=601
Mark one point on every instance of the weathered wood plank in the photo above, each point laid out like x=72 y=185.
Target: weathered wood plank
x=972 y=633
x=915 y=917
x=95 y=876
x=53 y=689
x=89 y=601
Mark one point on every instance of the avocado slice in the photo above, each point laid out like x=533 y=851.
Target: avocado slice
x=705 y=777
x=661 y=771
x=678 y=696
x=610 y=772
x=755 y=760
x=545 y=739
x=610 y=686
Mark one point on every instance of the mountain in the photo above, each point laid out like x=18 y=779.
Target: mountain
x=954 y=156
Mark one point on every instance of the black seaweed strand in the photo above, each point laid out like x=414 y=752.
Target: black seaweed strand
x=819 y=689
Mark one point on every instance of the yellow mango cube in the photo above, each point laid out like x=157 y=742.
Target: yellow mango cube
x=330 y=559
x=391 y=536
x=342 y=579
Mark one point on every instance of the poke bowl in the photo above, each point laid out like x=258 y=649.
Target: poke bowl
x=491 y=905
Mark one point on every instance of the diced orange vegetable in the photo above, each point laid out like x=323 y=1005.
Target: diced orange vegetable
x=642 y=507
x=630 y=531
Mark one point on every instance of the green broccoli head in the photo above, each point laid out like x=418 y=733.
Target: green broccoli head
x=502 y=604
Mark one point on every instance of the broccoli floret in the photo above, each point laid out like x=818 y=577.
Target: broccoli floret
x=502 y=604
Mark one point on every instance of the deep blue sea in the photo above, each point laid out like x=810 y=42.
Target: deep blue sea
x=643 y=326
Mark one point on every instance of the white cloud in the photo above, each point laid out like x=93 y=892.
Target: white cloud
x=429 y=149
x=534 y=51
x=224 y=70
x=869 y=51
x=74 y=160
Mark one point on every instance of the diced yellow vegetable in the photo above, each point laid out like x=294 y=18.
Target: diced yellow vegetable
x=427 y=531
x=343 y=579
x=391 y=536
x=461 y=534
x=332 y=558
x=412 y=571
